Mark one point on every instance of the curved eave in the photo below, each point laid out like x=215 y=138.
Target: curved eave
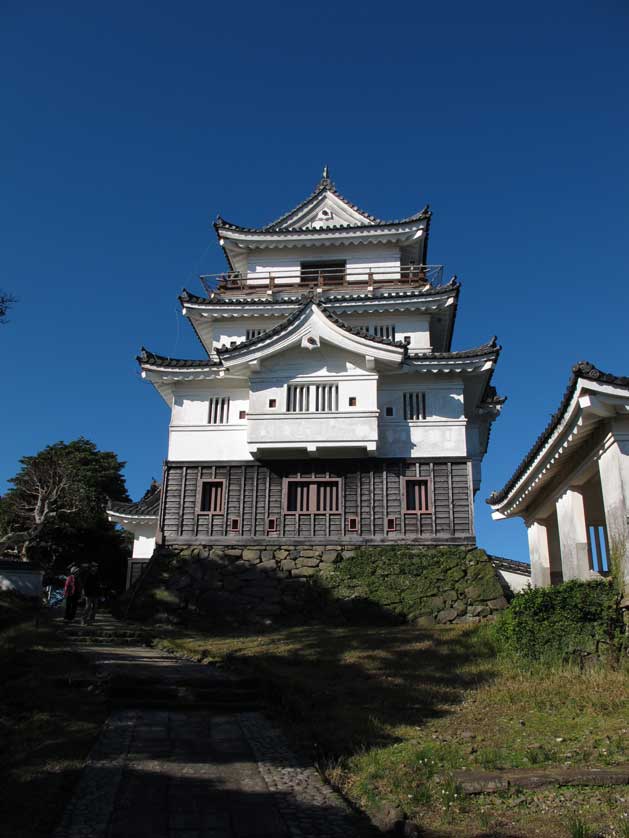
x=578 y=415
x=127 y=521
x=243 y=239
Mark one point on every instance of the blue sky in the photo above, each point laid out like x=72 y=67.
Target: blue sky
x=128 y=127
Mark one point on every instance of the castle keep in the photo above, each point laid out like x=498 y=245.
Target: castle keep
x=328 y=406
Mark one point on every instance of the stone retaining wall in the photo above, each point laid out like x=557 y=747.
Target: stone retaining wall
x=242 y=583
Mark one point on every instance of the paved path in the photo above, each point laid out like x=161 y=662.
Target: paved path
x=177 y=774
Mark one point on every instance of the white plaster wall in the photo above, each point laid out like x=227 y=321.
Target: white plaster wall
x=440 y=434
x=191 y=401
x=282 y=262
x=143 y=541
x=516 y=581
x=190 y=435
x=224 y=332
x=414 y=325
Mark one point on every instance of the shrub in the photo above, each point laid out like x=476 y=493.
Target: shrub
x=564 y=622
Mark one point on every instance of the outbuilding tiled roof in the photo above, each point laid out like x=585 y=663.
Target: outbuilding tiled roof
x=146 y=507
x=582 y=370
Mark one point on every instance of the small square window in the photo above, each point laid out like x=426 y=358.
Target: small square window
x=352 y=525
x=234 y=524
x=242 y=414
x=352 y=401
x=272 y=402
x=388 y=411
x=271 y=525
x=391 y=525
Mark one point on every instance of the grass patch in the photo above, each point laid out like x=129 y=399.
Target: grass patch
x=389 y=713
x=47 y=728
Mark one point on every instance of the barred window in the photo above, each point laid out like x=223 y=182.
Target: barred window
x=298 y=398
x=211 y=496
x=414 y=406
x=416 y=496
x=218 y=413
x=384 y=331
x=253 y=333
x=312 y=398
x=312 y=495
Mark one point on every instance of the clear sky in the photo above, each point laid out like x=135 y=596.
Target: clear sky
x=128 y=127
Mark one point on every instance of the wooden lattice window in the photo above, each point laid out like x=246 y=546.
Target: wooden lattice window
x=218 y=412
x=416 y=495
x=312 y=495
x=212 y=496
x=414 y=406
x=325 y=272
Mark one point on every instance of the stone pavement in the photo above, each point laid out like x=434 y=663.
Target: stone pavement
x=178 y=773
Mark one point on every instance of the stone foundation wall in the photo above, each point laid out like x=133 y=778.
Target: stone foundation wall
x=238 y=584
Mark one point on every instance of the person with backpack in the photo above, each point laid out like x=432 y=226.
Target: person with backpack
x=72 y=593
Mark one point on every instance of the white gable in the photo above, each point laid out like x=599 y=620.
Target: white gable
x=326 y=209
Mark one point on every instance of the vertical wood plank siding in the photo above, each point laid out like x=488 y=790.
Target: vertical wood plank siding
x=370 y=491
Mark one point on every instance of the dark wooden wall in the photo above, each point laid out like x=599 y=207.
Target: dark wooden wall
x=371 y=491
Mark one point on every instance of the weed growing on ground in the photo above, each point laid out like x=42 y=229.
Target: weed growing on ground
x=577 y=828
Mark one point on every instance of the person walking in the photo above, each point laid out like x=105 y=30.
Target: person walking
x=91 y=589
x=72 y=594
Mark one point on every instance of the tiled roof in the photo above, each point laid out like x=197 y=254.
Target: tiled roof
x=146 y=507
x=514 y=566
x=582 y=370
x=151 y=359
x=218 y=299
x=324 y=185
x=489 y=347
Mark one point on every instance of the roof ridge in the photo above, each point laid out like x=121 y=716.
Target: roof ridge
x=488 y=346
x=580 y=370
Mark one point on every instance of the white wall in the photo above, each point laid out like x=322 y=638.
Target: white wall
x=516 y=581
x=143 y=541
x=440 y=434
x=226 y=331
x=282 y=261
x=190 y=435
x=414 y=325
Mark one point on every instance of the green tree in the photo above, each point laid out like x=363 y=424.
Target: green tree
x=56 y=506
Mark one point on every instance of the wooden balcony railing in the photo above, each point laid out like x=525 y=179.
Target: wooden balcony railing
x=358 y=278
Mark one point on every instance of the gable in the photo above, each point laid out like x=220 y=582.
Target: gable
x=325 y=209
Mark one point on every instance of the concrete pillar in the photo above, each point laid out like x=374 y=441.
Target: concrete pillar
x=573 y=535
x=613 y=467
x=539 y=554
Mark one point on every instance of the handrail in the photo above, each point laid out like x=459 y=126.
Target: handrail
x=353 y=276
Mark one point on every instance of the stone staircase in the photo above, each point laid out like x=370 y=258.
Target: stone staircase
x=106 y=631
x=134 y=675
